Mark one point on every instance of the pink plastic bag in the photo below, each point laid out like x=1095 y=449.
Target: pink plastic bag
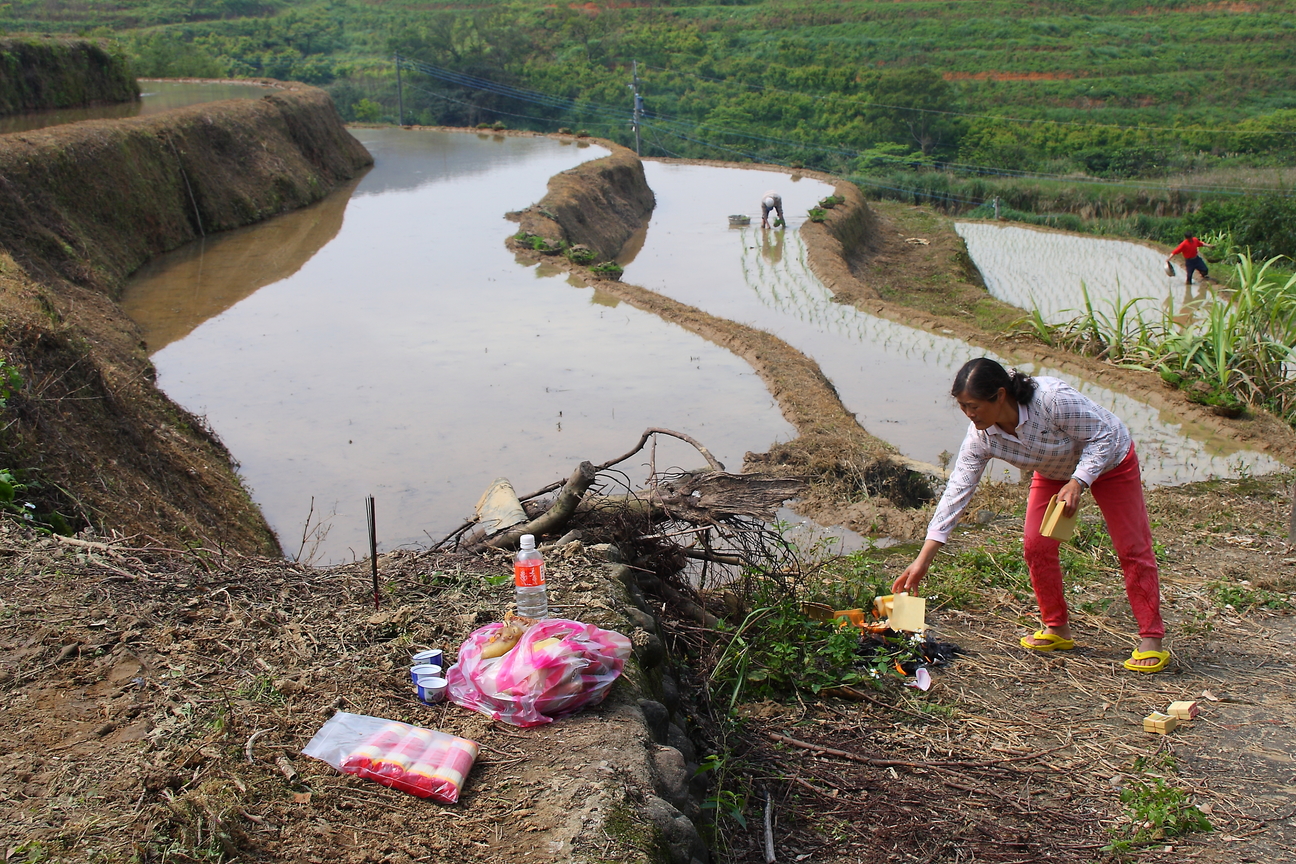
x=557 y=668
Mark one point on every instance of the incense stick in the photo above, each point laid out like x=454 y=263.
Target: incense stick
x=373 y=546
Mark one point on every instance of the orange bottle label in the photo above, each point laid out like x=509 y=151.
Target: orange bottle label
x=528 y=574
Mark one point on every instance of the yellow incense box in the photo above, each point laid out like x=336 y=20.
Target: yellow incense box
x=1162 y=724
x=1056 y=525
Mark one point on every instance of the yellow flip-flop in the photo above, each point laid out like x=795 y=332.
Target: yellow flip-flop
x=1053 y=642
x=1162 y=658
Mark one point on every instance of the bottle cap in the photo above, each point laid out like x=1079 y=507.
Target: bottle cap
x=528 y=541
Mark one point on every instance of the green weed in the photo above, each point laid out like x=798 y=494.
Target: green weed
x=581 y=255
x=996 y=569
x=724 y=800
x=608 y=270
x=1231 y=350
x=1243 y=597
x=31 y=852
x=261 y=689
x=11 y=381
x=1157 y=811
x=777 y=649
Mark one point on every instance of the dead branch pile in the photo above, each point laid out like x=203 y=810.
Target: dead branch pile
x=709 y=515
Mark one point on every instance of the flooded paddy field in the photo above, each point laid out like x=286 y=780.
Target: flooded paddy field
x=155 y=97
x=385 y=341
x=1033 y=268
x=895 y=378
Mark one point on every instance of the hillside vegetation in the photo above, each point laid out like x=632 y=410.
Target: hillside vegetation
x=1123 y=114
x=36 y=74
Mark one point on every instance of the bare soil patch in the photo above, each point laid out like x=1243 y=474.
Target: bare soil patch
x=136 y=684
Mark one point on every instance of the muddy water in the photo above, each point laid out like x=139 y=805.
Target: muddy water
x=155 y=97
x=895 y=378
x=1031 y=268
x=386 y=342
x=170 y=296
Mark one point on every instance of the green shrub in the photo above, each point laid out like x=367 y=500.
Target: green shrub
x=582 y=255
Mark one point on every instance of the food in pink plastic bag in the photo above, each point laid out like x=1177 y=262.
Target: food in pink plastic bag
x=419 y=761
x=557 y=668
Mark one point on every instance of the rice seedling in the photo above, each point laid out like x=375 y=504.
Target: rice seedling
x=1234 y=347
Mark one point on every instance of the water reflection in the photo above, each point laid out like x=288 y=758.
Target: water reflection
x=412 y=358
x=772 y=244
x=895 y=378
x=171 y=295
x=1031 y=268
x=155 y=97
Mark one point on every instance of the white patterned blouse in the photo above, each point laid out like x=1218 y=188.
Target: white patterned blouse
x=1061 y=434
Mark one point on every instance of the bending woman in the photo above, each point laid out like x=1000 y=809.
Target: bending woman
x=1073 y=445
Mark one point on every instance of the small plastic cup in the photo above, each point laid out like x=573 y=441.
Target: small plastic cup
x=423 y=669
x=431 y=657
x=431 y=689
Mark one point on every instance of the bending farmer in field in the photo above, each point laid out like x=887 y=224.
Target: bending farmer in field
x=1072 y=444
x=772 y=200
x=1192 y=261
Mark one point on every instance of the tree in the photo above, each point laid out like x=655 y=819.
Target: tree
x=905 y=105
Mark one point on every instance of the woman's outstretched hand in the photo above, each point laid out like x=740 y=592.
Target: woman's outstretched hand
x=914 y=573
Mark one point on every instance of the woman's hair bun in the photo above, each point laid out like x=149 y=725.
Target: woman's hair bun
x=981 y=379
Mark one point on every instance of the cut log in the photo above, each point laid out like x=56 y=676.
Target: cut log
x=556 y=517
x=716 y=494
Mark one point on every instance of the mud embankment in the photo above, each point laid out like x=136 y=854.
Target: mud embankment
x=599 y=204
x=865 y=256
x=81 y=206
x=843 y=460
x=38 y=74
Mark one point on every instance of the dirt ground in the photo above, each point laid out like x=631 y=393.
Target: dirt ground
x=150 y=700
x=1071 y=721
x=131 y=682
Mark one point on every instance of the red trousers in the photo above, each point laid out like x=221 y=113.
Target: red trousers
x=1119 y=494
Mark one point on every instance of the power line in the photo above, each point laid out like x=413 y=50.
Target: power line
x=917 y=193
x=562 y=103
x=498 y=110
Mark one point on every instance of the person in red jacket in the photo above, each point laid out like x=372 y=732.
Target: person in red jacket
x=1192 y=261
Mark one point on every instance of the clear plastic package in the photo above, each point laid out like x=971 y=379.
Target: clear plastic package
x=419 y=761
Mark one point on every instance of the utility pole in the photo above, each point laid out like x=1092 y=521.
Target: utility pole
x=638 y=104
x=400 y=96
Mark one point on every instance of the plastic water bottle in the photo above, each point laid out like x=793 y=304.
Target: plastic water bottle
x=529 y=580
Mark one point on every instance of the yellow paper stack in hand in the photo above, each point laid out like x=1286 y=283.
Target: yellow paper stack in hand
x=1056 y=525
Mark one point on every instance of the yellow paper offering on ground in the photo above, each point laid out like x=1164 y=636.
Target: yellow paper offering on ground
x=1056 y=525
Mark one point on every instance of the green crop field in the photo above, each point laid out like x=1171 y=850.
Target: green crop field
x=1124 y=114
